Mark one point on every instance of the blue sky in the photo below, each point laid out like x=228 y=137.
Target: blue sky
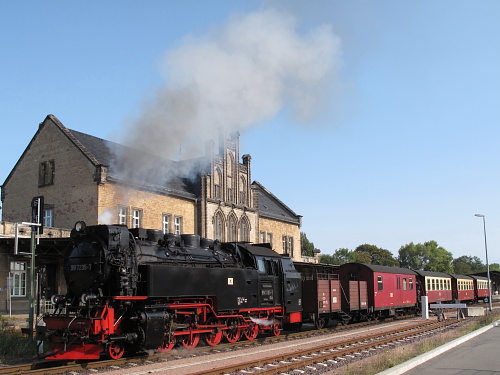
x=402 y=147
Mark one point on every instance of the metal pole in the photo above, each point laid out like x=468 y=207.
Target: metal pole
x=31 y=318
x=487 y=263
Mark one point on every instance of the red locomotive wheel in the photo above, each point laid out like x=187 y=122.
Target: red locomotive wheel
x=191 y=340
x=232 y=335
x=276 y=329
x=115 y=350
x=215 y=337
x=252 y=331
x=166 y=346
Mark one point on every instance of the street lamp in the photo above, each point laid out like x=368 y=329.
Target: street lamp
x=487 y=264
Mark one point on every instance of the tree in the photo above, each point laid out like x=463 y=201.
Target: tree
x=343 y=256
x=374 y=255
x=465 y=265
x=327 y=259
x=428 y=256
x=306 y=247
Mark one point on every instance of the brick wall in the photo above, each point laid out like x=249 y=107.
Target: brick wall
x=73 y=193
x=153 y=207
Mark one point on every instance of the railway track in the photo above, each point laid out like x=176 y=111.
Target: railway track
x=324 y=354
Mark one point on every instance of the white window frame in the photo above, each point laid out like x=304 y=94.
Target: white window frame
x=19 y=273
x=166 y=218
x=178 y=225
x=48 y=217
x=136 y=217
x=122 y=215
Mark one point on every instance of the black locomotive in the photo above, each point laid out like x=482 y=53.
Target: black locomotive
x=136 y=289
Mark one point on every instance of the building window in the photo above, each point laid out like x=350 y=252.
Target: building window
x=218 y=227
x=288 y=245
x=48 y=217
x=178 y=225
x=136 y=218
x=46 y=173
x=229 y=194
x=217 y=183
x=231 y=229
x=18 y=283
x=266 y=237
x=243 y=197
x=166 y=223
x=122 y=215
x=244 y=230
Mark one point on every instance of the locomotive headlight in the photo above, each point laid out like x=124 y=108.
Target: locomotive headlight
x=88 y=298
x=80 y=226
x=57 y=299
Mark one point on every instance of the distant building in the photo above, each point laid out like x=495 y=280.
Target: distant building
x=82 y=177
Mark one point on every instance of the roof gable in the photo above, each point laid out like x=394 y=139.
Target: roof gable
x=101 y=152
x=271 y=207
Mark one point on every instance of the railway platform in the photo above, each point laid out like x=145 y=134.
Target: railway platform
x=473 y=354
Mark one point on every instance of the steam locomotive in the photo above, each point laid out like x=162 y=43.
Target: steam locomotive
x=130 y=290
x=136 y=289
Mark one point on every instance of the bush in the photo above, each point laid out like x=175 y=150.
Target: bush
x=14 y=346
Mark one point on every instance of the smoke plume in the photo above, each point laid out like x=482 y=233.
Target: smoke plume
x=235 y=76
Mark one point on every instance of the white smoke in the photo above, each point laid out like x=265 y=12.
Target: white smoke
x=106 y=217
x=233 y=77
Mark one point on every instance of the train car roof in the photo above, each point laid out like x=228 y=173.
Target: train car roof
x=460 y=276
x=385 y=269
x=431 y=273
x=263 y=250
x=478 y=277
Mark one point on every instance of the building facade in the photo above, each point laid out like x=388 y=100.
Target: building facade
x=80 y=179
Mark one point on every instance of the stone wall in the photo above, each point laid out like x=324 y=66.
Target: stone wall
x=73 y=193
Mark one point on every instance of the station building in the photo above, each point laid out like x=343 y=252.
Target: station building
x=82 y=177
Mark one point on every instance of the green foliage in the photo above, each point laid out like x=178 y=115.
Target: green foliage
x=340 y=256
x=374 y=255
x=465 y=265
x=428 y=256
x=307 y=247
x=494 y=267
x=14 y=346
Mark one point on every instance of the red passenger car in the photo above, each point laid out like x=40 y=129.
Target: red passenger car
x=462 y=288
x=435 y=285
x=480 y=287
x=389 y=290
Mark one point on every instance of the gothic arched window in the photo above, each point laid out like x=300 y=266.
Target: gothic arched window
x=244 y=229
x=219 y=227
x=231 y=228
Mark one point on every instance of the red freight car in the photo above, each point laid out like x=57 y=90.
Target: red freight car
x=435 y=285
x=389 y=290
x=320 y=293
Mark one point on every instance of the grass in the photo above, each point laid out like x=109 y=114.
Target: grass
x=400 y=354
x=14 y=346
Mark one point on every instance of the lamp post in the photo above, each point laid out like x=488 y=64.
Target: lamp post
x=487 y=264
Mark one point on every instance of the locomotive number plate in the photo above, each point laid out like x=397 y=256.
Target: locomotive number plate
x=81 y=267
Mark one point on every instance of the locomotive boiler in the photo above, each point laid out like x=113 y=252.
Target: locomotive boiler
x=136 y=289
